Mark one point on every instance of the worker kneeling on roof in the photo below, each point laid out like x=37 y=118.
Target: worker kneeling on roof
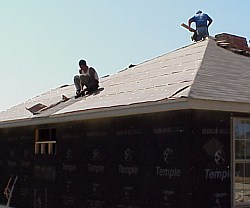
x=202 y=21
x=87 y=81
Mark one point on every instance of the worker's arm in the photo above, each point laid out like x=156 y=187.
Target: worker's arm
x=190 y=22
x=209 y=19
x=189 y=25
x=209 y=22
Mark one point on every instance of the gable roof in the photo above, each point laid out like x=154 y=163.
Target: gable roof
x=200 y=71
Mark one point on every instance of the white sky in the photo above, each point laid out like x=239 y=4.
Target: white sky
x=41 y=42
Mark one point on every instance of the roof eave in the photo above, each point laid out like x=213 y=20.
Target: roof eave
x=203 y=104
x=116 y=111
x=133 y=109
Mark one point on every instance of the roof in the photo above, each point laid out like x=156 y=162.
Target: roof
x=201 y=71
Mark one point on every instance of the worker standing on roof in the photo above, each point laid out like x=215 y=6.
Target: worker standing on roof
x=87 y=81
x=202 y=21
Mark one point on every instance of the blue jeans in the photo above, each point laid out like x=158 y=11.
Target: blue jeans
x=202 y=33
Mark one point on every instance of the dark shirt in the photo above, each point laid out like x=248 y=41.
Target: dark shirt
x=200 y=20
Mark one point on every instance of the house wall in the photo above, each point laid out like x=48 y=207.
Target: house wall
x=16 y=159
x=130 y=161
x=211 y=159
x=171 y=159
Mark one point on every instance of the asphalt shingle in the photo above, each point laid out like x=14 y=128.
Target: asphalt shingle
x=199 y=71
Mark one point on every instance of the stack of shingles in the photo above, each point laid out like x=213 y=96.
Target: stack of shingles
x=234 y=43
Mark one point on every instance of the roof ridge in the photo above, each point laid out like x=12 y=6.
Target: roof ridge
x=208 y=41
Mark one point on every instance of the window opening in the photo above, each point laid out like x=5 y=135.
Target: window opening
x=45 y=141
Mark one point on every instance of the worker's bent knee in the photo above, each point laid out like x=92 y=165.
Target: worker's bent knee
x=76 y=78
x=85 y=79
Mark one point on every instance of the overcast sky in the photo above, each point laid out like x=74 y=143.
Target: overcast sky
x=43 y=40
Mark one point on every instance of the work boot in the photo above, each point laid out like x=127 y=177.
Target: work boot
x=78 y=94
x=82 y=92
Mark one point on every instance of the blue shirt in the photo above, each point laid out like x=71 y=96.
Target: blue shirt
x=200 y=20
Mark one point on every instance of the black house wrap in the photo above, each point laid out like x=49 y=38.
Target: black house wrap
x=168 y=159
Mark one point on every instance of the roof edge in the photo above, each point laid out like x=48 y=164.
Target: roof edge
x=117 y=111
x=202 y=104
x=133 y=109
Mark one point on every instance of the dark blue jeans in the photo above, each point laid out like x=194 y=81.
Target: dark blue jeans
x=202 y=33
